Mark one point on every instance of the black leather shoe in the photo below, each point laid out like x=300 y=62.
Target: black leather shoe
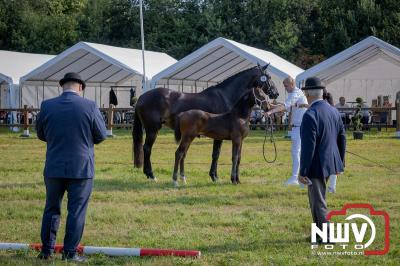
x=319 y=240
x=73 y=258
x=44 y=256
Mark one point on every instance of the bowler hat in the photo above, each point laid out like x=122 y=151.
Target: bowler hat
x=313 y=83
x=71 y=76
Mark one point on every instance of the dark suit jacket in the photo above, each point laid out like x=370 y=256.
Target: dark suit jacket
x=70 y=125
x=323 y=141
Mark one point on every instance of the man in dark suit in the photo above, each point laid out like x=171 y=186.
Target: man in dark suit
x=323 y=146
x=70 y=125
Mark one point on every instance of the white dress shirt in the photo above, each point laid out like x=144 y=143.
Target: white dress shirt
x=293 y=99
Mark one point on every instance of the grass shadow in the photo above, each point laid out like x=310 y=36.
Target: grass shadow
x=21 y=185
x=134 y=185
x=235 y=246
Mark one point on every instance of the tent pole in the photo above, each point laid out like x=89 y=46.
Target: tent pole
x=20 y=95
x=37 y=95
x=142 y=38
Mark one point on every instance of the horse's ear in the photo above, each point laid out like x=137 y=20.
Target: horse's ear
x=265 y=67
x=258 y=65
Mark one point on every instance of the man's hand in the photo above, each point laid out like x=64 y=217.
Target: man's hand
x=268 y=113
x=304 y=180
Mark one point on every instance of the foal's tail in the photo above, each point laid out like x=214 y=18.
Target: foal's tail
x=177 y=129
x=137 y=145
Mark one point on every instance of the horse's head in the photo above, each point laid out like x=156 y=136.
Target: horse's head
x=264 y=81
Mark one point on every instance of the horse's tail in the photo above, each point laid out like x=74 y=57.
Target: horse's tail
x=177 y=130
x=137 y=145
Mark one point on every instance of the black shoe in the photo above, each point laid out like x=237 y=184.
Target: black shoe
x=44 y=256
x=73 y=258
x=319 y=240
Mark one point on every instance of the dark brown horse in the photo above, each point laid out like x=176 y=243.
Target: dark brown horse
x=233 y=125
x=161 y=106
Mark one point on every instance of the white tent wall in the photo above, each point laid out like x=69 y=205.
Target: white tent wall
x=33 y=93
x=380 y=76
x=367 y=69
x=9 y=94
x=14 y=95
x=101 y=66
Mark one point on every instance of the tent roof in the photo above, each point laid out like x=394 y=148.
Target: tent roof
x=98 y=63
x=14 y=65
x=220 y=59
x=350 y=59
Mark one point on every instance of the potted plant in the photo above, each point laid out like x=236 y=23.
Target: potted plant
x=358 y=126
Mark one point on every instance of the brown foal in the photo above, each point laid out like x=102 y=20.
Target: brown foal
x=233 y=125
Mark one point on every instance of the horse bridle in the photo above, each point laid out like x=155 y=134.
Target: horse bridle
x=266 y=82
x=258 y=100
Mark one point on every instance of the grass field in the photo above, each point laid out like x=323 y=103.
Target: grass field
x=260 y=222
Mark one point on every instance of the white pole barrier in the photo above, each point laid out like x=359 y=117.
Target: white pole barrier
x=13 y=246
x=109 y=251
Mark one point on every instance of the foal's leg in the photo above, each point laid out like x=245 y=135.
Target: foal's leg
x=151 y=136
x=182 y=168
x=177 y=160
x=235 y=158
x=215 y=155
x=238 y=162
x=179 y=157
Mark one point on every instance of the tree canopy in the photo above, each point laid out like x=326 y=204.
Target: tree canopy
x=302 y=31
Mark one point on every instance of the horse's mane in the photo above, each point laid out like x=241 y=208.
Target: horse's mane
x=228 y=80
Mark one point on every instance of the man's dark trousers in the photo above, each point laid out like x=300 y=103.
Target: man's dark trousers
x=317 y=199
x=79 y=191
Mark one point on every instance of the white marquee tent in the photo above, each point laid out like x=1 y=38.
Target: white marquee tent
x=366 y=69
x=13 y=65
x=101 y=66
x=218 y=60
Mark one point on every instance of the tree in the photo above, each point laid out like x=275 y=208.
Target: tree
x=284 y=38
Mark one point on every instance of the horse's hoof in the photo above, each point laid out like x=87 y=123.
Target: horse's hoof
x=151 y=177
x=175 y=183
x=183 y=179
x=214 y=177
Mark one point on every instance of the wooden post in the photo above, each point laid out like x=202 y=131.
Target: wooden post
x=110 y=117
x=26 y=123
x=398 y=114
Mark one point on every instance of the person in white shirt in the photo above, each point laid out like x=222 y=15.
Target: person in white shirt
x=296 y=103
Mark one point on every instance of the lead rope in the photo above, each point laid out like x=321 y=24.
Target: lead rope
x=271 y=139
x=368 y=160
